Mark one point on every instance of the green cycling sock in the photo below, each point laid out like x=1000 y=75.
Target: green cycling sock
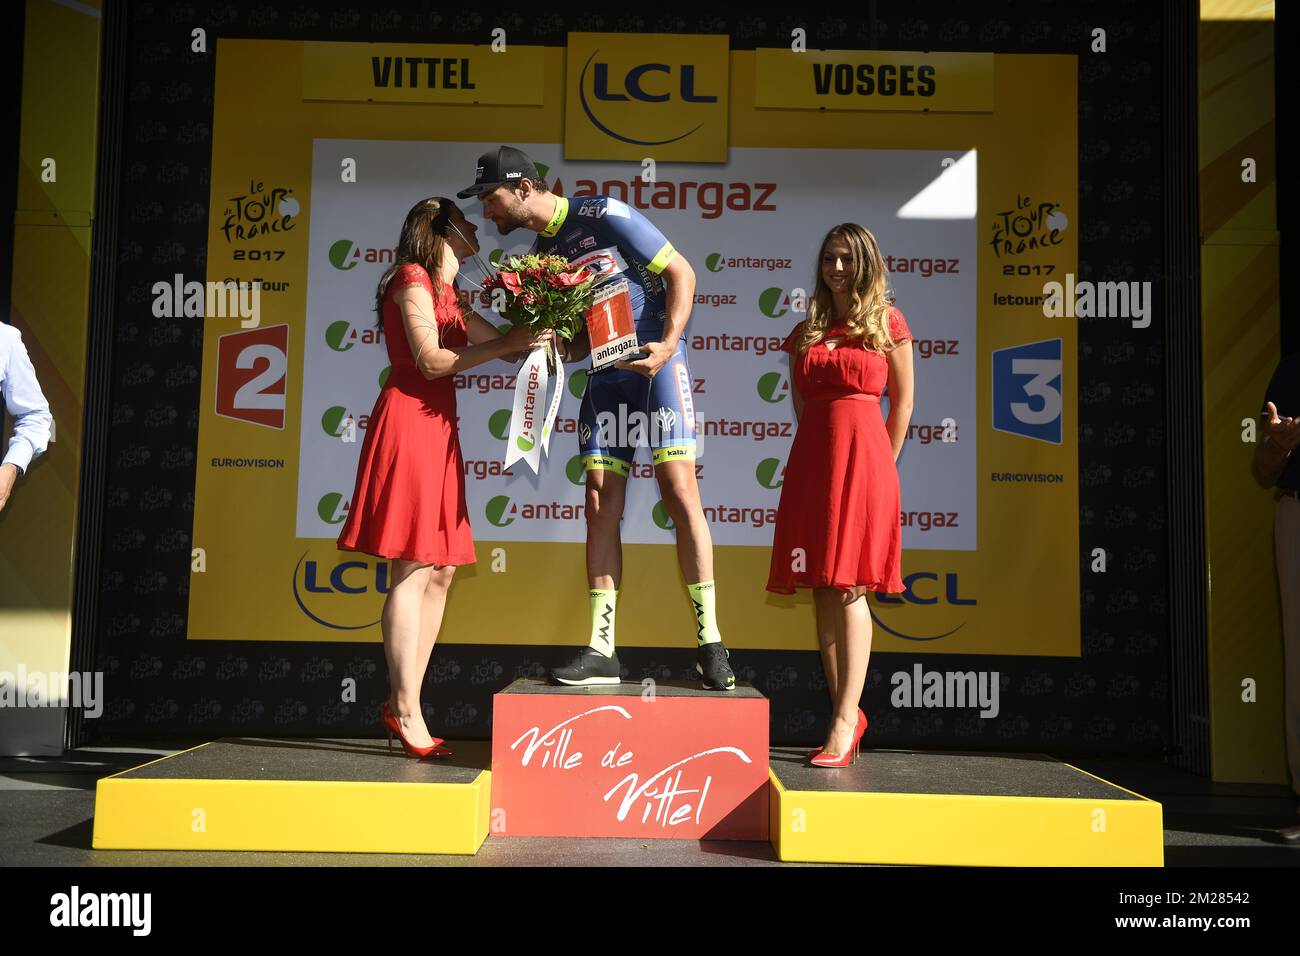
x=602 y=620
x=706 y=619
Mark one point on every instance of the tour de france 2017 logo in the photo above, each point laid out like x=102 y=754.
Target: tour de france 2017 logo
x=1029 y=226
x=259 y=212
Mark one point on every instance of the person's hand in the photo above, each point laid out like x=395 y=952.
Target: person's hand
x=521 y=340
x=1283 y=432
x=8 y=475
x=462 y=300
x=657 y=355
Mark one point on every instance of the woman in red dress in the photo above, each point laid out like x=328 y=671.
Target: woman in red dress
x=838 y=528
x=409 y=501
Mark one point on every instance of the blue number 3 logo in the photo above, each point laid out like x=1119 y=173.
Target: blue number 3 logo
x=1027 y=390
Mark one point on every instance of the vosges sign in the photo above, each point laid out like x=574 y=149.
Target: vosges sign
x=868 y=80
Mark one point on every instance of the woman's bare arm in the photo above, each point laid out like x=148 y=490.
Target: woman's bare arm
x=900 y=385
x=434 y=361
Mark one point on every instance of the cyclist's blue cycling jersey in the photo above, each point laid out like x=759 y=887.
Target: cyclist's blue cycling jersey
x=622 y=409
x=613 y=240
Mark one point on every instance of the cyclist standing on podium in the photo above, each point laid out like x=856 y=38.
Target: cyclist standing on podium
x=621 y=245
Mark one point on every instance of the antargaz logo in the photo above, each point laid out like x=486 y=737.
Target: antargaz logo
x=714 y=262
x=773 y=303
x=575 y=471
x=500 y=511
x=772 y=387
x=332 y=420
x=344 y=254
x=769 y=473
x=578 y=383
x=341 y=336
x=336 y=335
x=341 y=256
x=660 y=515
x=332 y=508
x=499 y=424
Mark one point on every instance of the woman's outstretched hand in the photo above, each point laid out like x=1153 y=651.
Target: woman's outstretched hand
x=521 y=340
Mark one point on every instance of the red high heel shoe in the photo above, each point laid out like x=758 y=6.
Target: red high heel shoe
x=862 y=722
x=394 y=726
x=824 y=759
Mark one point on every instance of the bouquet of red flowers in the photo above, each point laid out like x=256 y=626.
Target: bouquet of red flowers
x=542 y=292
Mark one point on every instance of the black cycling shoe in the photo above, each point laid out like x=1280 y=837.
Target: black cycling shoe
x=589 y=667
x=715 y=668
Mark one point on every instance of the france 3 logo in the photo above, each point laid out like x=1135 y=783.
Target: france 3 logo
x=252 y=374
x=1027 y=390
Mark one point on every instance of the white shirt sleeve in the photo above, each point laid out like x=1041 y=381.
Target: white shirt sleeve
x=23 y=400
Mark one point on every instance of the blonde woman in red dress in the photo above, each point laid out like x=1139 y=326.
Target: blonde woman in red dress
x=409 y=501
x=838 y=528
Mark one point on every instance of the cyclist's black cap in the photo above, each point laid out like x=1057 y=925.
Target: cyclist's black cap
x=505 y=164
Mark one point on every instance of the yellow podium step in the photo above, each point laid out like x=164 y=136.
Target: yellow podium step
x=310 y=795
x=957 y=809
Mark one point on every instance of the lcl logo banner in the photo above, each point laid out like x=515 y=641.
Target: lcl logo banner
x=656 y=96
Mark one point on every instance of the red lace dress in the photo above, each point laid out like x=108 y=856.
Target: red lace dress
x=409 y=500
x=840 y=498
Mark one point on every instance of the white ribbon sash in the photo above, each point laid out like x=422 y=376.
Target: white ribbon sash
x=530 y=432
x=553 y=411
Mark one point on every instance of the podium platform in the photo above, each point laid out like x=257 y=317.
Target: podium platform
x=665 y=759
x=958 y=809
x=620 y=761
x=346 y=796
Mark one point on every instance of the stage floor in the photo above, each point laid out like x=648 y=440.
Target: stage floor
x=47 y=807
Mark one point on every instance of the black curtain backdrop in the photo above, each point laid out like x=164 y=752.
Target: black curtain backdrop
x=1112 y=699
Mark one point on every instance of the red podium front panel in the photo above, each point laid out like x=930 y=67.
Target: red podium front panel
x=661 y=760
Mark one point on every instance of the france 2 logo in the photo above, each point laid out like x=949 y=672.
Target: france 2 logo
x=252 y=375
x=1027 y=390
